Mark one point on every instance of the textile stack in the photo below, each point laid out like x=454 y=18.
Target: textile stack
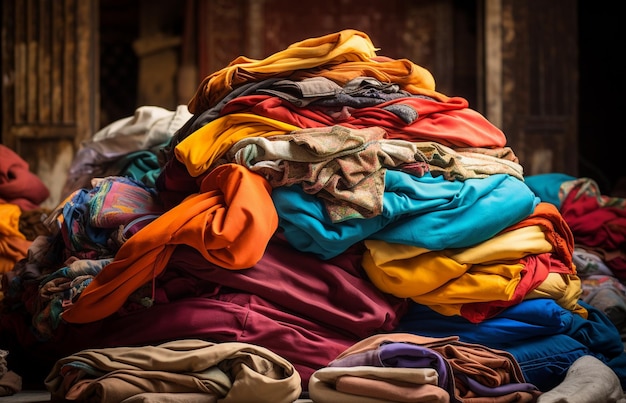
x=365 y=236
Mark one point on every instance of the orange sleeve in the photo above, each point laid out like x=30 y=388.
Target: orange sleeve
x=229 y=222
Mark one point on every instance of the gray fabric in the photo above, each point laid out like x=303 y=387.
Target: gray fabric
x=587 y=380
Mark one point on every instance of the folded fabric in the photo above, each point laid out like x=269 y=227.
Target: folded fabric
x=346 y=45
x=377 y=385
x=544 y=337
x=231 y=372
x=474 y=371
x=514 y=325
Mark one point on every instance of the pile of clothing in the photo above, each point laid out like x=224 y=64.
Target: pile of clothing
x=329 y=205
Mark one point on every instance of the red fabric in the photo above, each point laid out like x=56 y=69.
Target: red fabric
x=451 y=123
x=304 y=309
x=334 y=292
x=535 y=271
x=229 y=317
x=174 y=183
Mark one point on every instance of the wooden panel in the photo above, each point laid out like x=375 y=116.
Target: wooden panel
x=221 y=33
x=422 y=31
x=50 y=86
x=540 y=90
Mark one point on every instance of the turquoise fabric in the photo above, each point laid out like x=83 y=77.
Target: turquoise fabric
x=427 y=211
x=546 y=186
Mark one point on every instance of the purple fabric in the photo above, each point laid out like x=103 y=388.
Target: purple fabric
x=402 y=355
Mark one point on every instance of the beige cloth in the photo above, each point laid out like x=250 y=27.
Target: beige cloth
x=171 y=398
x=10 y=382
x=226 y=372
x=327 y=385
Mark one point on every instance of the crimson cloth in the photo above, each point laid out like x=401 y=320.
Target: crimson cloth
x=17 y=184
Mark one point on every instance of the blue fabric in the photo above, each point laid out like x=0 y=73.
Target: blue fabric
x=546 y=186
x=602 y=337
x=427 y=211
x=545 y=360
x=528 y=319
x=543 y=337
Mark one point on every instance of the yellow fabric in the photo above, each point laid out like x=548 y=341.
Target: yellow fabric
x=565 y=289
x=407 y=75
x=482 y=283
x=440 y=282
x=344 y=46
x=445 y=280
x=13 y=244
x=10 y=220
x=408 y=277
x=202 y=148
x=512 y=245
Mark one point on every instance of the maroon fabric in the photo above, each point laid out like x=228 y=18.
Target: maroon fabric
x=232 y=317
x=302 y=308
x=335 y=293
x=229 y=317
x=174 y=183
x=17 y=184
x=597 y=227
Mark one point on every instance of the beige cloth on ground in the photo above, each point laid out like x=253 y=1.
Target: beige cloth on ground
x=228 y=372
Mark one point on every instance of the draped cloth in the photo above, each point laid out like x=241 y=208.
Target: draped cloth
x=230 y=222
x=328 y=51
x=18 y=185
x=228 y=372
x=13 y=244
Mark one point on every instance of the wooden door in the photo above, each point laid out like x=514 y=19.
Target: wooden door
x=532 y=80
x=50 y=83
